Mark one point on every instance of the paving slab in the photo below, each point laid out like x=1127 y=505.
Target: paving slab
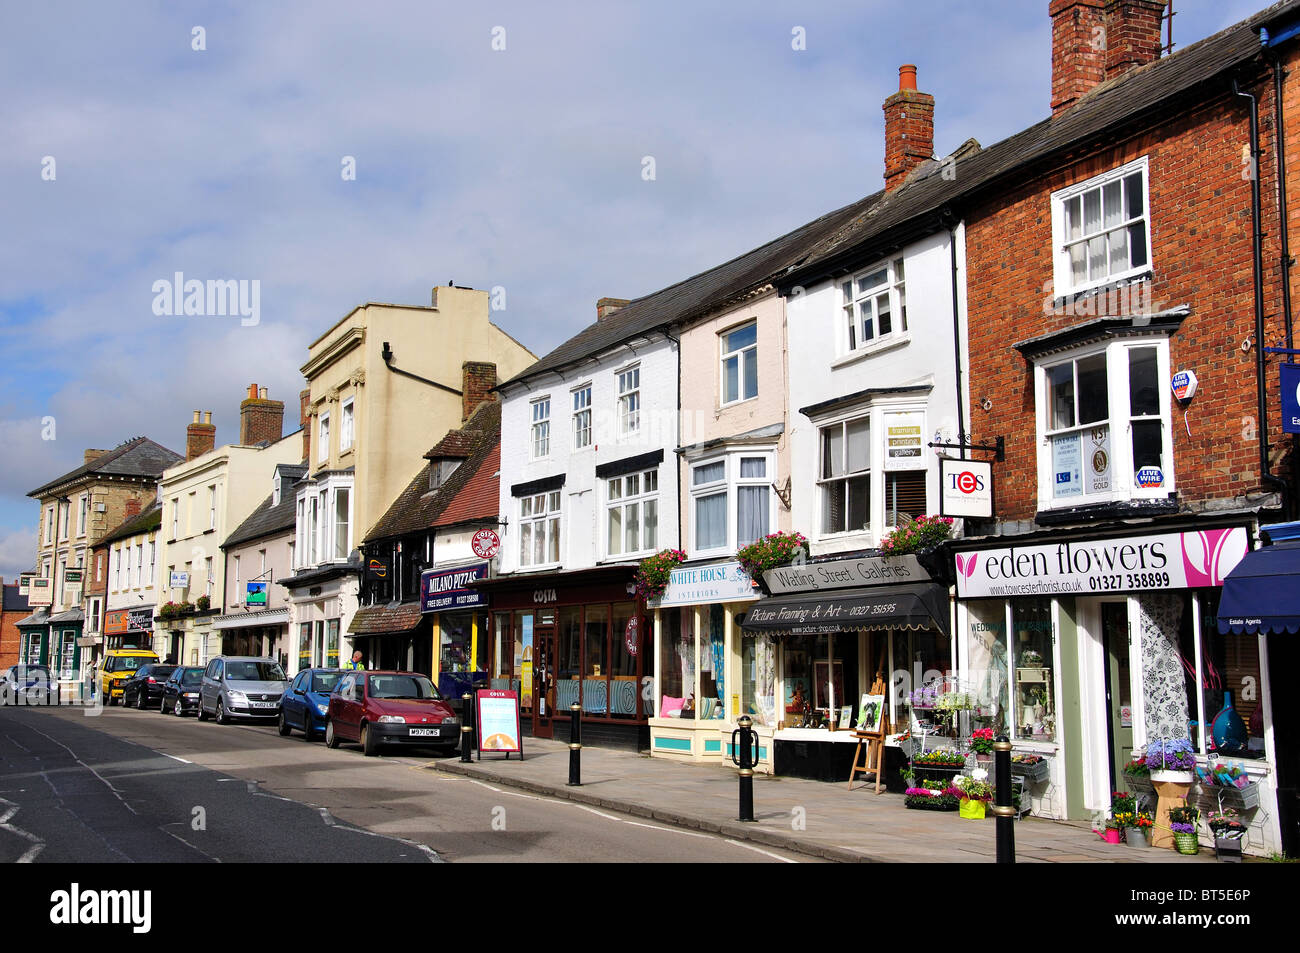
x=811 y=817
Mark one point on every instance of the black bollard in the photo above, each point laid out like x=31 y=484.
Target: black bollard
x=1003 y=811
x=466 y=726
x=575 y=745
x=742 y=745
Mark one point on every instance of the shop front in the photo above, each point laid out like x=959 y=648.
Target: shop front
x=573 y=638
x=697 y=669
x=459 y=616
x=1085 y=648
x=55 y=642
x=130 y=629
x=846 y=638
x=263 y=634
x=392 y=637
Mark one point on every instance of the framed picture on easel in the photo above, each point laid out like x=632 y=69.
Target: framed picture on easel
x=872 y=717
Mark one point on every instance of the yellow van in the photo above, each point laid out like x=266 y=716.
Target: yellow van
x=117 y=667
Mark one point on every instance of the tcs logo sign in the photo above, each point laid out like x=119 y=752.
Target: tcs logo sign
x=966 y=482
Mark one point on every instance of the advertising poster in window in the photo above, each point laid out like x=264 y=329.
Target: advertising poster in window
x=498 y=721
x=903 y=441
x=526 y=668
x=1066 y=478
x=1099 y=460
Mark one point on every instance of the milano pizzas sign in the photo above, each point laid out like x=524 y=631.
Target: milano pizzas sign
x=1084 y=567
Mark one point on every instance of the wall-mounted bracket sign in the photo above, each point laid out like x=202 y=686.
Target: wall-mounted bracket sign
x=965 y=488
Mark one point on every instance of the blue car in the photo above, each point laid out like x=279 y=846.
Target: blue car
x=307 y=700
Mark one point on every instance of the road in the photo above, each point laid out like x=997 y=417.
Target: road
x=126 y=785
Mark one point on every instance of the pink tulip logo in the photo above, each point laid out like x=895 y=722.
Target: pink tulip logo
x=966 y=564
x=1209 y=555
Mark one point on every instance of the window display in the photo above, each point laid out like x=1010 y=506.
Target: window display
x=988 y=663
x=1033 y=698
x=677 y=663
x=758 y=667
x=1228 y=675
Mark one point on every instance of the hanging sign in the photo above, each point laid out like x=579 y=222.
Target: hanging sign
x=966 y=488
x=41 y=592
x=485 y=544
x=377 y=567
x=1184 y=385
x=256 y=594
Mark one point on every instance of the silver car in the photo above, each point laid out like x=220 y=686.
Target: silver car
x=238 y=686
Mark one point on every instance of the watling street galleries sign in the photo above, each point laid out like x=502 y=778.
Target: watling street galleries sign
x=1084 y=567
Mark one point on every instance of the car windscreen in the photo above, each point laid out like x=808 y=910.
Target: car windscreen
x=192 y=676
x=125 y=663
x=324 y=682
x=253 y=671
x=401 y=686
x=162 y=672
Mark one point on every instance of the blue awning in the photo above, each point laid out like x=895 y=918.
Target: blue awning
x=1262 y=593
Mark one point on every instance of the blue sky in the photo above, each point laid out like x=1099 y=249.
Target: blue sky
x=517 y=167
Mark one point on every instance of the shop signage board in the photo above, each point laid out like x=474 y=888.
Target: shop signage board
x=526 y=668
x=966 y=488
x=845 y=574
x=1290 y=397
x=446 y=588
x=631 y=635
x=904 y=440
x=1158 y=562
x=256 y=594
x=378 y=568
x=178 y=580
x=116 y=621
x=485 y=543
x=498 y=722
x=41 y=592
x=701 y=585
x=25 y=583
x=140 y=619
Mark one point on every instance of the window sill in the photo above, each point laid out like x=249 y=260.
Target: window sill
x=736 y=403
x=878 y=347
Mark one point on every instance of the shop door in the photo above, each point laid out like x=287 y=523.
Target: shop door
x=1119 y=700
x=544 y=681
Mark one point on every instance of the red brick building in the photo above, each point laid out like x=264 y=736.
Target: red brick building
x=13 y=606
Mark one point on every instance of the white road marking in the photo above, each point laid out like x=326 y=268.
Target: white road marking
x=38 y=845
x=174 y=758
x=759 y=850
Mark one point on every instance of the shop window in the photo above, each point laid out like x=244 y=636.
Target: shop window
x=758 y=679
x=1227 y=672
x=987 y=670
x=595 y=699
x=624 y=690
x=304 y=645
x=845 y=482
x=456 y=641
x=332 y=643
x=710 y=662
x=918 y=659
x=677 y=663
x=1033 y=698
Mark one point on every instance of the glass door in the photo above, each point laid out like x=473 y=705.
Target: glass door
x=544 y=679
x=1119 y=698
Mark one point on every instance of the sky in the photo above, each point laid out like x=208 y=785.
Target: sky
x=496 y=145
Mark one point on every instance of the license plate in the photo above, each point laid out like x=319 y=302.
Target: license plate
x=265 y=705
x=425 y=732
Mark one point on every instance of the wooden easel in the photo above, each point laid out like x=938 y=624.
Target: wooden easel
x=870 y=755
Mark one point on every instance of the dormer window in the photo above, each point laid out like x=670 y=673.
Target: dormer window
x=441 y=469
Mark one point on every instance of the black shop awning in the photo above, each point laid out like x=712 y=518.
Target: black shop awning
x=1262 y=593
x=916 y=606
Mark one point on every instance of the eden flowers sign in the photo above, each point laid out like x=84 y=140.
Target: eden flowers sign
x=1164 y=561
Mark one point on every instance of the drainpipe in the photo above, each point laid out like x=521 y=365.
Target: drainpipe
x=1280 y=139
x=1266 y=476
x=677 y=470
x=962 y=437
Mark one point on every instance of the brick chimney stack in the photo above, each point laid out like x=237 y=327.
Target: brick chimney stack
x=1097 y=40
x=200 y=436
x=260 y=419
x=1132 y=34
x=909 y=129
x=477 y=380
x=132 y=507
x=304 y=421
x=607 y=306
x=93 y=455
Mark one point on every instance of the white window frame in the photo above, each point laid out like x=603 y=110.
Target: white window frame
x=176 y=517
x=1119 y=445
x=49 y=524
x=347 y=424
x=152 y=561
x=628 y=385
x=212 y=506
x=550 y=519
x=729 y=486
x=580 y=401
x=856 y=291
x=323 y=438
x=743 y=356
x=65 y=514
x=83 y=506
x=1063 y=280
x=539 y=430
x=617 y=499
x=872 y=473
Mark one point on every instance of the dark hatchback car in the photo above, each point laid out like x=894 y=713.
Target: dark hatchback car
x=306 y=701
x=387 y=708
x=144 y=689
x=181 y=691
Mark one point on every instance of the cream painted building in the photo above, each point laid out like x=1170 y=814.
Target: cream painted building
x=379 y=383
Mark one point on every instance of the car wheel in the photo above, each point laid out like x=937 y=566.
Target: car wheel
x=222 y=718
x=140 y=699
x=331 y=739
x=103 y=699
x=369 y=743
x=203 y=712
x=284 y=725
x=179 y=710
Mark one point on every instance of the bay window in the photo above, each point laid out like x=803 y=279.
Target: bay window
x=1104 y=424
x=709 y=503
x=845 y=476
x=731 y=500
x=632 y=513
x=539 y=529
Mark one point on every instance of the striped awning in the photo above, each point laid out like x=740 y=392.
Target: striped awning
x=250 y=620
x=915 y=606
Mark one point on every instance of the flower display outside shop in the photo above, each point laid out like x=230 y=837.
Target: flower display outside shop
x=1182 y=820
x=922 y=533
x=937 y=798
x=940 y=759
x=975 y=787
x=170 y=610
x=981 y=741
x=1171 y=755
x=203 y=604
x=654 y=572
x=773 y=550
x=1226 y=823
x=1137 y=768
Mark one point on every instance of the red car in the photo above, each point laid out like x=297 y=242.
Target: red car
x=382 y=708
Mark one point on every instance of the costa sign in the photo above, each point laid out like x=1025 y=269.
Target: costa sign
x=485 y=544
x=966 y=488
x=1194 y=559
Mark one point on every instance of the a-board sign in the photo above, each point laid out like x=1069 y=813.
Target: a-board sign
x=498 y=721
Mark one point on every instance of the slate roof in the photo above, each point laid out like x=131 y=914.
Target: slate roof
x=419 y=508
x=13 y=600
x=143 y=522
x=835 y=240
x=269 y=518
x=139 y=457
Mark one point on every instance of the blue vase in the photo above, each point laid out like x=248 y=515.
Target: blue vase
x=1227 y=729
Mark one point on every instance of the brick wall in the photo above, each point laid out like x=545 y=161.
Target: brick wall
x=1200 y=221
x=260 y=419
x=477 y=380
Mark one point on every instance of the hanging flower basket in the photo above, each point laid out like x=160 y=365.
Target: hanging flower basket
x=1033 y=768
x=654 y=572
x=771 y=552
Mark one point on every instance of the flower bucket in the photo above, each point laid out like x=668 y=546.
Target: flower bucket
x=972 y=810
x=1187 y=844
x=1134 y=837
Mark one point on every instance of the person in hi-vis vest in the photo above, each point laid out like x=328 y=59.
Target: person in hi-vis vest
x=355 y=665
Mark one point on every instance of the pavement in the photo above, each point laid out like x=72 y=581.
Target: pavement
x=806 y=817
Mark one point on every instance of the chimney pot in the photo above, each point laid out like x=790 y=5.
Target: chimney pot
x=907 y=76
x=262 y=393
x=252 y=391
x=207 y=416
x=196 y=416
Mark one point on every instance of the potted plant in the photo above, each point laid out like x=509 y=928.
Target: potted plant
x=1227 y=784
x=203 y=603
x=770 y=552
x=1140 y=833
x=1031 y=659
x=1171 y=760
x=931 y=795
x=1032 y=767
x=981 y=742
x=940 y=758
x=654 y=572
x=1138 y=776
x=976 y=792
x=1182 y=821
x=1229 y=834
x=167 y=610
